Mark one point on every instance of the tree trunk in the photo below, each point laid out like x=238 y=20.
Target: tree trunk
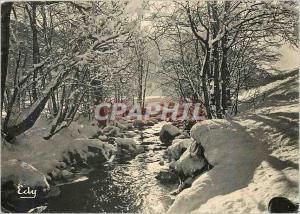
x=35 y=47
x=5 y=23
x=237 y=93
x=30 y=115
x=54 y=105
x=196 y=96
x=204 y=83
x=224 y=76
x=145 y=86
x=140 y=85
x=59 y=116
x=67 y=116
x=224 y=65
x=215 y=55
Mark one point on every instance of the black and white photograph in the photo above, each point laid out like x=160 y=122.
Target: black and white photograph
x=150 y=106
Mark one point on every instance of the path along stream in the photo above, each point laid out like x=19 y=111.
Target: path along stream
x=122 y=185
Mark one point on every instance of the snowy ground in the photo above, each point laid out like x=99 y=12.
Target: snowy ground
x=255 y=155
x=47 y=156
x=56 y=157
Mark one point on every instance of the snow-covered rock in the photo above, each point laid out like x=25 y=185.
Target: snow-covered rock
x=130 y=134
x=138 y=123
x=103 y=138
x=218 y=137
x=168 y=132
x=167 y=176
x=129 y=125
x=150 y=140
x=121 y=126
x=66 y=174
x=189 y=165
x=150 y=123
x=22 y=173
x=126 y=142
x=108 y=128
x=20 y=179
x=87 y=151
x=127 y=146
x=235 y=156
x=161 y=162
x=153 y=120
x=178 y=147
x=120 y=135
x=101 y=148
x=112 y=131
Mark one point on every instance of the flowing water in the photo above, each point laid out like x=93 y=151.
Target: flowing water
x=120 y=186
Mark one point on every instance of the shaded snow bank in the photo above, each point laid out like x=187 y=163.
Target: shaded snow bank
x=49 y=156
x=255 y=156
x=234 y=156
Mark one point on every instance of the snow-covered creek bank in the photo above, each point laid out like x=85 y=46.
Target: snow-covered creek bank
x=116 y=171
x=123 y=185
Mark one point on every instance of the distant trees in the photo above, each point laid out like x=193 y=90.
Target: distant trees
x=141 y=65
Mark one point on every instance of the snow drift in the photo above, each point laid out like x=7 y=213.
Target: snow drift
x=226 y=148
x=255 y=156
x=49 y=156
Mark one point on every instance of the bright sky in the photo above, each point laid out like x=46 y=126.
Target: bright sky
x=289 y=59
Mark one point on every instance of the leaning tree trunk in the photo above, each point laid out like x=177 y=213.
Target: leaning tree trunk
x=5 y=22
x=30 y=115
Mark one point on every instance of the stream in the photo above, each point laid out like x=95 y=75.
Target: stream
x=124 y=185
